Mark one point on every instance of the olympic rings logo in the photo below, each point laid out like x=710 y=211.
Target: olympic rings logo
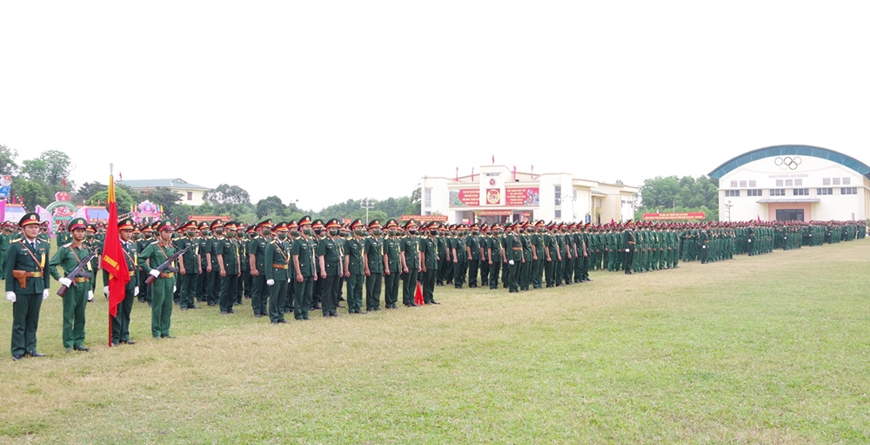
x=788 y=162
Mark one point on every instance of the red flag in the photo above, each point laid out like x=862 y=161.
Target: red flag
x=113 y=260
x=493 y=159
x=64 y=183
x=418 y=295
x=120 y=176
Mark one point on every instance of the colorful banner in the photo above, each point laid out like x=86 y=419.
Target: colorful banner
x=523 y=197
x=465 y=198
x=673 y=216
x=425 y=218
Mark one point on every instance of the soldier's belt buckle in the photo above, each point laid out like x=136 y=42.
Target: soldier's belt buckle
x=82 y=280
x=167 y=275
x=36 y=274
x=133 y=273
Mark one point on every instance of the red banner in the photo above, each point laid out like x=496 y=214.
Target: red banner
x=494 y=213
x=113 y=260
x=673 y=216
x=465 y=198
x=523 y=197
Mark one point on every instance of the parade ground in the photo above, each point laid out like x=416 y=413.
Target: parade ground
x=766 y=349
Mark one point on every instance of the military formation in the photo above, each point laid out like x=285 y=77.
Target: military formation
x=295 y=268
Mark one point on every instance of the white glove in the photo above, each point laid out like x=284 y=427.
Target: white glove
x=511 y=262
x=270 y=282
x=65 y=281
x=154 y=273
x=10 y=296
x=703 y=247
x=106 y=290
x=627 y=250
x=136 y=291
x=45 y=294
x=749 y=241
x=173 y=289
x=90 y=295
x=289 y=280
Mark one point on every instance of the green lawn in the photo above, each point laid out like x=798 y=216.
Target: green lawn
x=767 y=349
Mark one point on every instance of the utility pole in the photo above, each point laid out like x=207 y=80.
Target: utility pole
x=367 y=204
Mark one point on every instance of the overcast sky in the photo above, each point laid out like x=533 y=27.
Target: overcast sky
x=325 y=101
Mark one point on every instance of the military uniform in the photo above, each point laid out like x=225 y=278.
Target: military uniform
x=331 y=265
x=354 y=269
x=257 y=259
x=68 y=257
x=26 y=259
x=277 y=273
x=373 y=259
x=226 y=250
x=409 y=246
x=429 y=263
x=303 y=251
x=392 y=265
x=164 y=283
x=188 y=277
x=121 y=321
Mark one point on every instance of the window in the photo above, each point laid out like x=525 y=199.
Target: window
x=190 y=196
x=798 y=182
x=789 y=183
x=779 y=182
x=742 y=184
x=777 y=192
x=836 y=181
x=490 y=175
x=753 y=192
x=801 y=192
x=849 y=191
x=825 y=191
x=751 y=184
x=826 y=181
x=557 y=189
x=732 y=193
x=427 y=197
x=734 y=184
x=558 y=214
x=847 y=181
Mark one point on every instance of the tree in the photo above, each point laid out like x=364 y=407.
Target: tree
x=227 y=194
x=34 y=193
x=272 y=205
x=164 y=197
x=7 y=161
x=124 y=200
x=89 y=189
x=52 y=167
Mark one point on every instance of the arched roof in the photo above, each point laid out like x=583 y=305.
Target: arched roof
x=800 y=150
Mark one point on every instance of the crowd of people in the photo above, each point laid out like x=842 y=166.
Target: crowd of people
x=298 y=267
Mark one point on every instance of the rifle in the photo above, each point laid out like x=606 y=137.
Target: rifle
x=167 y=265
x=78 y=272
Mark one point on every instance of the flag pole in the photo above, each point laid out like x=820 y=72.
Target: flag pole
x=109 y=306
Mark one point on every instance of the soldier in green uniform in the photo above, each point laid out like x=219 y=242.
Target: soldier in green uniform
x=429 y=263
x=26 y=285
x=392 y=265
x=92 y=243
x=164 y=284
x=524 y=232
x=354 y=269
x=241 y=240
x=472 y=255
x=146 y=240
x=373 y=260
x=484 y=260
x=331 y=265
x=226 y=250
x=537 y=243
x=303 y=251
x=704 y=239
x=293 y=234
x=629 y=246
x=277 y=276
x=188 y=266
x=257 y=261
x=513 y=247
x=443 y=255
x=495 y=255
x=551 y=253
x=121 y=322
x=68 y=257
x=409 y=246
x=460 y=257
x=5 y=240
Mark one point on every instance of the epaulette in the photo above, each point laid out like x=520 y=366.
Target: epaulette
x=67 y=245
x=155 y=242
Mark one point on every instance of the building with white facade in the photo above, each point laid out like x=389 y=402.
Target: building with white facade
x=500 y=194
x=190 y=194
x=793 y=182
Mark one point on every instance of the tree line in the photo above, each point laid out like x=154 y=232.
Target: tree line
x=664 y=194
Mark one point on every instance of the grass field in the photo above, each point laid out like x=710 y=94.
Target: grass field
x=767 y=349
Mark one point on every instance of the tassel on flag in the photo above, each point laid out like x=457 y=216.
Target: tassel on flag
x=418 y=295
x=113 y=260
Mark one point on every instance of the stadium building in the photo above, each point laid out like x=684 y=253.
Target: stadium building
x=793 y=182
x=500 y=194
